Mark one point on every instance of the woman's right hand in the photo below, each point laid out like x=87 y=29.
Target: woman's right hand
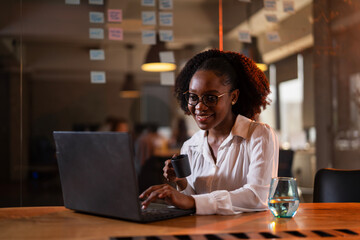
x=170 y=175
x=169 y=172
x=169 y=194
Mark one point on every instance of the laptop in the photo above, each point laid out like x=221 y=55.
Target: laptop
x=97 y=174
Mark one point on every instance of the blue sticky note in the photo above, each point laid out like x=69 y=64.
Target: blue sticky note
x=166 y=19
x=166 y=35
x=270 y=5
x=244 y=36
x=72 y=2
x=98 y=77
x=96 y=2
x=289 y=6
x=166 y=4
x=148 y=3
x=273 y=36
x=96 y=17
x=148 y=18
x=97 y=54
x=271 y=17
x=148 y=37
x=96 y=33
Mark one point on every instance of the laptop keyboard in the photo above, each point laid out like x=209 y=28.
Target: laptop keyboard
x=154 y=211
x=161 y=211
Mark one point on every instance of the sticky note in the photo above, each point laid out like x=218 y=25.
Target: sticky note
x=97 y=54
x=165 y=4
x=244 y=36
x=270 y=5
x=72 y=2
x=148 y=18
x=289 y=5
x=167 y=78
x=166 y=18
x=271 y=18
x=114 y=15
x=148 y=3
x=148 y=37
x=167 y=56
x=96 y=33
x=97 y=77
x=115 y=34
x=96 y=2
x=96 y=17
x=166 y=35
x=273 y=36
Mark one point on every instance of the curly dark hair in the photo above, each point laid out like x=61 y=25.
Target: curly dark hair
x=238 y=70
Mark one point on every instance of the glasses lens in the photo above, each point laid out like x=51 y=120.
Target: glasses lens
x=192 y=98
x=210 y=100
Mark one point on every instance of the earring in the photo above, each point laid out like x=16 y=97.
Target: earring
x=233 y=103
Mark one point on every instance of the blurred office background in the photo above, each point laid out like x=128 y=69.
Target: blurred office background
x=310 y=49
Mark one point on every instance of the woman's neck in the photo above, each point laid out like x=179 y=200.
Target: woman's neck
x=220 y=133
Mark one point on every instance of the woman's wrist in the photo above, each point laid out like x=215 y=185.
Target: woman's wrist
x=181 y=184
x=192 y=203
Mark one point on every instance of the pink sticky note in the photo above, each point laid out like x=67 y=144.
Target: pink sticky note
x=114 y=15
x=115 y=33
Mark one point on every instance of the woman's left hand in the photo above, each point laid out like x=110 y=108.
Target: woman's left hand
x=169 y=194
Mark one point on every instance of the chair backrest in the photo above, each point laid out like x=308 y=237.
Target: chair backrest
x=335 y=185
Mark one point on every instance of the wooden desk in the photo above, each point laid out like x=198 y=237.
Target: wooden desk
x=61 y=223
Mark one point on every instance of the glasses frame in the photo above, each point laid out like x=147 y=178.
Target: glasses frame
x=201 y=98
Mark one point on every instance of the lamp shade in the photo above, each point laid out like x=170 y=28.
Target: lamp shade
x=152 y=60
x=129 y=89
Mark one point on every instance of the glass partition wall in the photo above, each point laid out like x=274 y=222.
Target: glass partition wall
x=76 y=65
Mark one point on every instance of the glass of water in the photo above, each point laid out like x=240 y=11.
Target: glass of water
x=283 y=197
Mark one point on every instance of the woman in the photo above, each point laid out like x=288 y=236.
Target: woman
x=232 y=157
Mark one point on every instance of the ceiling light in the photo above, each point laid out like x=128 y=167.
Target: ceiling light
x=158 y=67
x=262 y=66
x=251 y=50
x=129 y=89
x=152 y=60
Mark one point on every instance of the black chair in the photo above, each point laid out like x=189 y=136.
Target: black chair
x=285 y=163
x=335 y=185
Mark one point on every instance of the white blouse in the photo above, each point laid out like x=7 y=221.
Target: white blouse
x=240 y=179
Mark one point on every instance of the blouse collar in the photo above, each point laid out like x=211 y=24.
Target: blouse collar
x=240 y=128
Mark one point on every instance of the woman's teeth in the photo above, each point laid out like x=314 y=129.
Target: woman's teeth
x=202 y=118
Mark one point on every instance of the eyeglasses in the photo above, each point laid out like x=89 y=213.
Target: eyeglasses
x=209 y=100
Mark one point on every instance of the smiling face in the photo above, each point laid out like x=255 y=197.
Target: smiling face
x=220 y=116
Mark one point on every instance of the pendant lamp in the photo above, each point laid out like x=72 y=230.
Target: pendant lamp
x=251 y=50
x=129 y=88
x=152 y=60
